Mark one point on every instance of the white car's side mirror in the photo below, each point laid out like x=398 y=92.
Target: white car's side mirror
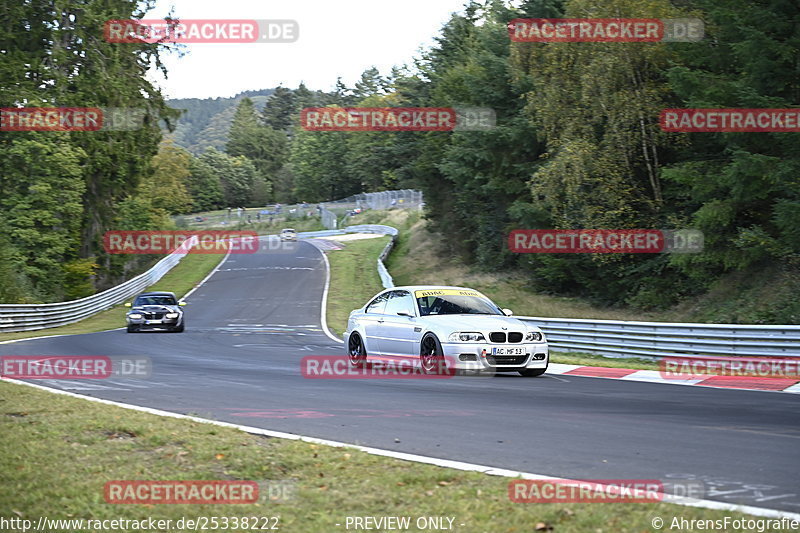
x=508 y=312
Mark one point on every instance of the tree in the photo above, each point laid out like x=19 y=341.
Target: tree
x=262 y=145
x=203 y=186
x=166 y=187
x=280 y=109
x=55 y=55
x=370 y=84
x=41 y=179
x=237 y=176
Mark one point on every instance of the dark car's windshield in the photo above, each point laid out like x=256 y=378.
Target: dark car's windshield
x=154 y=300
x=454 y=302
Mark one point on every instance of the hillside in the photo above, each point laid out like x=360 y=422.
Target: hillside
x=206 y=121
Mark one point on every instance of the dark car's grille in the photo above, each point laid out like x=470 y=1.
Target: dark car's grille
x=153 y=316
x=500 y=336
x=497 y=336
x=515 y=360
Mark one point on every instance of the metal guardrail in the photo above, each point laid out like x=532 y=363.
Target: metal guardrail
x=29 y=317
x=619 y=338
x=386 y=278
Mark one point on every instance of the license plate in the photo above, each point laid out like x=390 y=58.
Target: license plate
x=152 y=322
x=508 y=351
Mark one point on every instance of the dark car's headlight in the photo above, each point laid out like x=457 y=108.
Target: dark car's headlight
x=171 y=315
x=534 y=336
x=466 y=336
x=135 y=316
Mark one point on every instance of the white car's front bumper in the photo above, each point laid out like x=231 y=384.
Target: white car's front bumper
x=482 y=356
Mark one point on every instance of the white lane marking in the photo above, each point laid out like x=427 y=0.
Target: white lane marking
x=79 y=385
x=654 y=376
x=446 y=463
x=59 y=335
x=323 y=312
x=273 y=325
x=236 y=269
x=794 y=389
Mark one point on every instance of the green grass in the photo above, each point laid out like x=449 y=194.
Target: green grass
x=180 y=280
x=588 y=359
x=60 y=451
x=354 y=279
x=299 y=224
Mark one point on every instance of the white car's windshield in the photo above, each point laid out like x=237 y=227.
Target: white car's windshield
x=454 y=304
x=154 y=300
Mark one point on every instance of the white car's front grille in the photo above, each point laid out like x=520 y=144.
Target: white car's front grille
x=501 y=337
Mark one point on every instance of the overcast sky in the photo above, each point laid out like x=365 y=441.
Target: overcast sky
x=337 y=38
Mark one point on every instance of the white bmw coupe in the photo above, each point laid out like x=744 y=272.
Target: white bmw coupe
x=445 y=325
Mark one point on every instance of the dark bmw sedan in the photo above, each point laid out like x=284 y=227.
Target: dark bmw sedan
x=155 y=310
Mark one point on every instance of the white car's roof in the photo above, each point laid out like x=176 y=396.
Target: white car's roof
x=430 y=287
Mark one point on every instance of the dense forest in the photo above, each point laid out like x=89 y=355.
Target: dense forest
x=204 y=122
x=577 y=145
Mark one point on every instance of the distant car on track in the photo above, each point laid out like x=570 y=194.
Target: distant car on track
x=454 y=325
x=155 y=310
x=288 y=234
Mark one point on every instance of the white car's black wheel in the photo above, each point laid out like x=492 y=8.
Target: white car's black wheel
x=356 y=352
x=132 y=328
x=180 y=328
x=431 y=355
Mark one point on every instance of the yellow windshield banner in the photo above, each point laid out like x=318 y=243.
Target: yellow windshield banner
x=447 y=292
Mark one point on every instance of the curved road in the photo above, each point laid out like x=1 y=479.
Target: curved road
x=249 y=325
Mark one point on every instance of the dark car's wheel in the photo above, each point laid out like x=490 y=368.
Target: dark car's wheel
x=132 y=329
x=533 y=372
x=179 y=329
x=356 y=351
x=431 y=355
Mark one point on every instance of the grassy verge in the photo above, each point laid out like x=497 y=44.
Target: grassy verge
x=180 y=280
x=588 y=359
x=60 y=452
x=354 y=279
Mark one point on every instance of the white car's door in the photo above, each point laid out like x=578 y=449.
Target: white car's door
x=397 y=332
x=372 y=319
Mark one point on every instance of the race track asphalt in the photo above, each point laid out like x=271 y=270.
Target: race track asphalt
x=250 y=324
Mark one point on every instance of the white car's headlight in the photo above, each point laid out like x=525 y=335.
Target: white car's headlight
x=534 y=336
x=135 y=316
x=466 y=336
x=171 y=315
